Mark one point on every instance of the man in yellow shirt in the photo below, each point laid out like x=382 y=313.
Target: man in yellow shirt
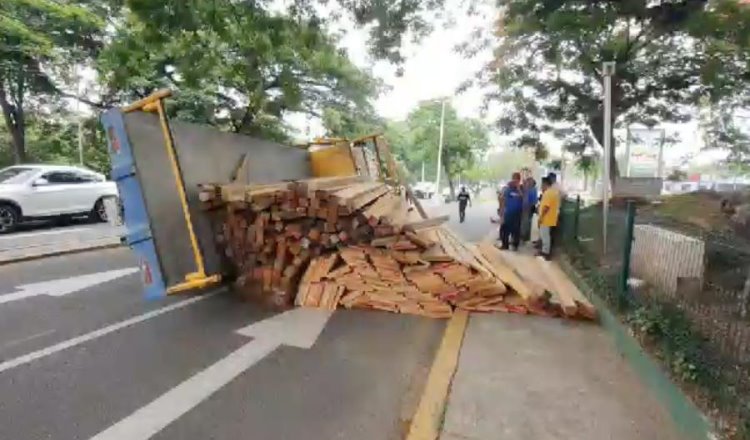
x=549 y=210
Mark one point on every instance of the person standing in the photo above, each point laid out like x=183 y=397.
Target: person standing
x=549 y=211
x=511 y=207
x=554 y=189
x=463 y=199
x=530 y=199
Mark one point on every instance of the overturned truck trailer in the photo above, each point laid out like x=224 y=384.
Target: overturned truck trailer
x=158 y=164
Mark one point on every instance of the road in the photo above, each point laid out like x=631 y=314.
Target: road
x=73 y=365
x=84 y=356
x=477 y=224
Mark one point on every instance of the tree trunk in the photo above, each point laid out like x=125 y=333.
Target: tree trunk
x=452 y=188
x=14 y=122
x=596 y=124
x=585 y=181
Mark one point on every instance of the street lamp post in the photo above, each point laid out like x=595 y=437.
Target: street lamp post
x=440 y=150
x=608 y=69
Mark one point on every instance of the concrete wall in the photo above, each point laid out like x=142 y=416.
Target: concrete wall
x=641 y=187
x=666 y=259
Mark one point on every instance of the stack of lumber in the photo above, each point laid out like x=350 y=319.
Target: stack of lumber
x=269 y=233
x=353 y=243
x=387 y=278
x=543 y=286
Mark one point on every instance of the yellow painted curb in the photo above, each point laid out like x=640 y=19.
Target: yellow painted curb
x=428 y=419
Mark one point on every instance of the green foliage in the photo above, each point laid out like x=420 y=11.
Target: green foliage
x=240 y=66
x=56 y=142
x=669 y=55
x=588 y=165
x=677 y=175
x=682 y=348
x=351 y=125
x=237 y=66
x=415 y=141
x=40 y=43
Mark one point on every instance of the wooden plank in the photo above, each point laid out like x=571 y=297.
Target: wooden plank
x=315 y=295
x=527 y=268
x=498 y=267
x=566 y=288
x=419 y=241
x=436 y=254
x=430 y=222
x=304 y=187
x=381 y=208
x=345 y=196
x=361 y=201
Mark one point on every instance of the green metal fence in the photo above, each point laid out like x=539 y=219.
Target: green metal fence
x=684 y=292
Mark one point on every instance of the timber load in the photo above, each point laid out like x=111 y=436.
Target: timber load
x=354 y=243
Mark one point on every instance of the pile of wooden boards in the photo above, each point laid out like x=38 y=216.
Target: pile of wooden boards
x=437 y=275
x=269 y=233
x=395 y=275
x=542 y=285
x=353 y=243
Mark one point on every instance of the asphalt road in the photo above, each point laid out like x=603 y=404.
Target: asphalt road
x=80 y=354
x=477 y=224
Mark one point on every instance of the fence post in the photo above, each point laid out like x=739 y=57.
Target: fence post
x=630 y=225
x=576 y=216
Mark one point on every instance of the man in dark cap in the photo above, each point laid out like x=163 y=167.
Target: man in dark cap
x=511 y=208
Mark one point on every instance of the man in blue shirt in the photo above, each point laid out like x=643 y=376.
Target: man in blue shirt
x=511 y=208
x=531 y=197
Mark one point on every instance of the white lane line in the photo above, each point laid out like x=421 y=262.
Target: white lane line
x=64 y=345
x=36 y=234
x=152 y=418
x=28 y=338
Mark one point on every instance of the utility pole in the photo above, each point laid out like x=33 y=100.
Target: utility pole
x=627 y=151
x=660 y=164
x=78 y=115
x=80 y=141
x=422 y=171
x=440 y=151
x=608 y=70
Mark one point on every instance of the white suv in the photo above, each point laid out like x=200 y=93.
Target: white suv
x=44 y=191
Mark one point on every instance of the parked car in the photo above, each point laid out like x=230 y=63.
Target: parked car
x=30 y=192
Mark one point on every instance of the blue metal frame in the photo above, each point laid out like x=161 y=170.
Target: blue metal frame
x=138 y=230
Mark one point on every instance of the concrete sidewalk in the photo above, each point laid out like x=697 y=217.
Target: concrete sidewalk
x=533 y=378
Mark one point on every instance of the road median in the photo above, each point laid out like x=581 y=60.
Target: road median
x=21 y=254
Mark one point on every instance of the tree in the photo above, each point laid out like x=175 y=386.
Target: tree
x=351 y=125
x=668 y=54
x=39 y=42
x=416 y=140
x=588 y=165
x=677 y=175
x=236 y=65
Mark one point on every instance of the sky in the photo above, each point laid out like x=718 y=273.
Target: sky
x=432 y=69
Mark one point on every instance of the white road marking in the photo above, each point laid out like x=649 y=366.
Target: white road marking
x=78 y=340
x=36 y=234
x=299 y=327
x=15 y=342
x=65 y=286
